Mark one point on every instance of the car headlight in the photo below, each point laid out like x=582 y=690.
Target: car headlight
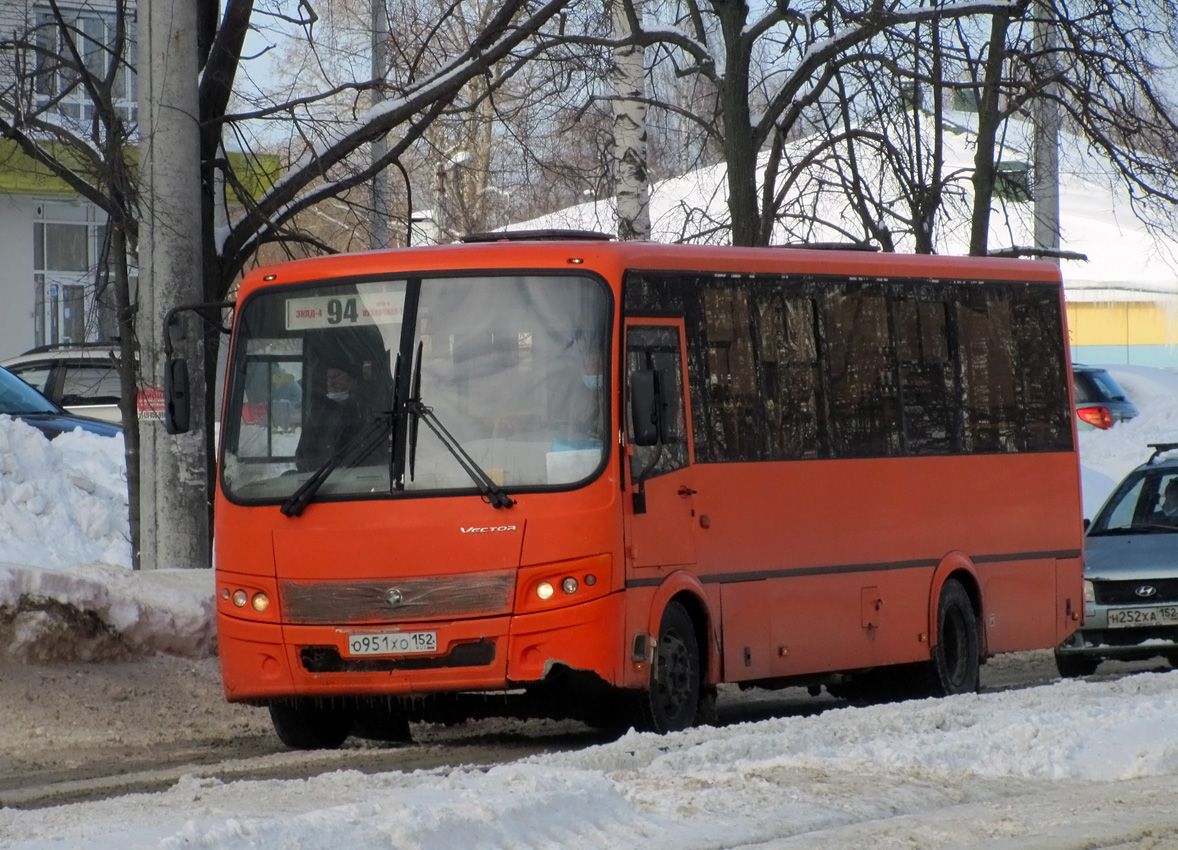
x=1089 y=593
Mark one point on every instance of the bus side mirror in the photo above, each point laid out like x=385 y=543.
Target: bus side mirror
x=176 y=407
x=649 y=408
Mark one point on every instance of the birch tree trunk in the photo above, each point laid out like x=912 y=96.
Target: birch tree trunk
x=632 y=185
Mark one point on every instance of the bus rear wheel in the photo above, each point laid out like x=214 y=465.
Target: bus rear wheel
x=311 y=724
x=673 y=698
x=1074 y=666
x=955 y=664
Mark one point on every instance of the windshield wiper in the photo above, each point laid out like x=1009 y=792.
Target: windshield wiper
x=491 y=491
x=353 y=451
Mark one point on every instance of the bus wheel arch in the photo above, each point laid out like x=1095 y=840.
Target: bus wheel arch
x=681 y=690
x=956 y=635
x=958 y=567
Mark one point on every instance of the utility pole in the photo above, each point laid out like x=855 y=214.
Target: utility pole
x=378 y=236
x=1046 y=118
x=174 y=503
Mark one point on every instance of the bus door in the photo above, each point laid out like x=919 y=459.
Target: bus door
x=659 y=507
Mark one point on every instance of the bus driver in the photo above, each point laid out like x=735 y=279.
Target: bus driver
x=336 y=417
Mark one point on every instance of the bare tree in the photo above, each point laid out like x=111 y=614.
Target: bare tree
x=65 y=77
x=1099 y=70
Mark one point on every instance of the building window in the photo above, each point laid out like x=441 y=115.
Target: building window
x=72 y=287
x=58 y=82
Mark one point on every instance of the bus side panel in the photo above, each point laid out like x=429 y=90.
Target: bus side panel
x=746 y=611
x=1011 y=623
x=850 y=548
x=812 y=624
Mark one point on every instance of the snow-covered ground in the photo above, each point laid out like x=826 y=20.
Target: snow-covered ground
x=1071 y=765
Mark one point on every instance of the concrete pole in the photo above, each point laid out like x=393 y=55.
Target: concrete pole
x=174 y=488
x=379 y=234
x=1046 y=118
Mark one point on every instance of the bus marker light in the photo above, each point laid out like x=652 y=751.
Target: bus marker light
x=590 y=580
x=260 y=602
x=544 y=590
x=225 y=593
x=639 y=647
x=569 y=585
x=240 y=597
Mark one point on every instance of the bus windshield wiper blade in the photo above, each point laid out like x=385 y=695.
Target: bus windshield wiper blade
x=491 y=491
x=353 y=451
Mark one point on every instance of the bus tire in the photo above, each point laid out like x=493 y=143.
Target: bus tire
x=955 y=659
x=1075 y=666
x=671 y=702
x=312 y=725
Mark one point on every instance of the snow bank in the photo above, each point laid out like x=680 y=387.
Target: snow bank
x=62 y=502
x=95 y=612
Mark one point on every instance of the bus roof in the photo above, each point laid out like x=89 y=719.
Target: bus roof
x=611 y=258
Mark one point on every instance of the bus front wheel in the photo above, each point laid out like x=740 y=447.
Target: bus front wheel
x=312 y=725
x=673 y=698
x=955 y=665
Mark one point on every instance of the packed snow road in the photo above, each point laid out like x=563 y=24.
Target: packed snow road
x=86 y=731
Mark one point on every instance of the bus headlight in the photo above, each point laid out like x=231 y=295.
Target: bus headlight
x=560 y=583
x=240 y=597
x=260 y=602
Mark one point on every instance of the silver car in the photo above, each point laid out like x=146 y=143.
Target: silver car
x=1131 y=572
x=84 y=379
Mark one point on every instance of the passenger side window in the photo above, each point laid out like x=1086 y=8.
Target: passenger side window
x=657 y=347
x=35 y=376
x=90 y=384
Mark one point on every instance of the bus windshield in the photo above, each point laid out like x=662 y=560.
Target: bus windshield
x=404 y=386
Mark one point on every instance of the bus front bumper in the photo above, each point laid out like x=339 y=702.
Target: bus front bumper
x=261 y=662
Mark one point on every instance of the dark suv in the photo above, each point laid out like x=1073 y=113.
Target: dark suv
x=1100 y=401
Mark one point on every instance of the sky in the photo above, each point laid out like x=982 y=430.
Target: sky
x=1075 y=764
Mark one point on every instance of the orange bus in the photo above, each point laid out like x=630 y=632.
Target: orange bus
x=576 y=477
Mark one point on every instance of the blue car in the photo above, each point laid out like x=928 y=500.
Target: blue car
x=21 y=401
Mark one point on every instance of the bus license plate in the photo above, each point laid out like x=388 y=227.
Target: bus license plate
x=393 y=643
x=1162 y=615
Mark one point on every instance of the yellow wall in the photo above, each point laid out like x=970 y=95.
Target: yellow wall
x=1127 y=323
x=1135 y=332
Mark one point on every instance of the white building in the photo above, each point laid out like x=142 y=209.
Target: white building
x=50 y=240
